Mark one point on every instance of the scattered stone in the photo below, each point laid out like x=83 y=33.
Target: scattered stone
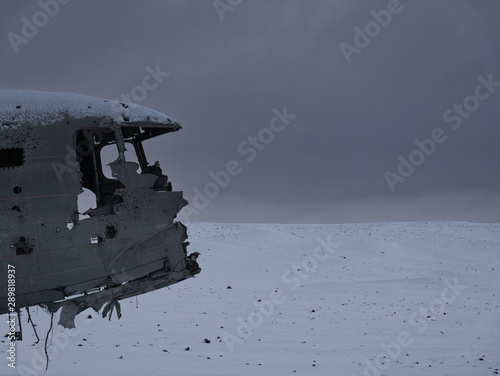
x=187 y=348
x=207 y=340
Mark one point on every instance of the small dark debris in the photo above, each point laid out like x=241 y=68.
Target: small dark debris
x=207 y=340
x=229 y=287
x=89 y=316
x=111 y=231
x=23 y=247
x=187 y=348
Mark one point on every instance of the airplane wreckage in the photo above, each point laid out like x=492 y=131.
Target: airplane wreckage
x=51 y=147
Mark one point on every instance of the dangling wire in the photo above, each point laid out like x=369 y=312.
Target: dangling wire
x=47 y=338
x=20 y=326
x=33 y=325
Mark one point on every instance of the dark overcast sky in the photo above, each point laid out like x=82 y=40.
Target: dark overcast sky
x=228 y=71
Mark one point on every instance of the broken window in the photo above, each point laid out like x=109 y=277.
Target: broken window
x=86 y=200
x=12 y=157
x=114 y=159
x=89 y=146
x=109 y=154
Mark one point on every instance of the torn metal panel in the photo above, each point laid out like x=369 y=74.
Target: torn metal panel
x=51 y=148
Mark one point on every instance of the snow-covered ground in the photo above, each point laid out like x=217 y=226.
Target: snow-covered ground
x=356 y=299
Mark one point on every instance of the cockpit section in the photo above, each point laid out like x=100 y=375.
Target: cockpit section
x=129 y=168
x=60 y=152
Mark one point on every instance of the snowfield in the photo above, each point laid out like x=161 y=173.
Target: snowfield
x=416 y=298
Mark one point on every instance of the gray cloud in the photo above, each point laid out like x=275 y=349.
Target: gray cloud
x=353 y=119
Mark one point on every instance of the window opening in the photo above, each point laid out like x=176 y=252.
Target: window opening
x=12 y=157
x=86 y=200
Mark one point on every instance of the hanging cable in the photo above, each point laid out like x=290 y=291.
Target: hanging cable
x=33 y=325
x=46 y=340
